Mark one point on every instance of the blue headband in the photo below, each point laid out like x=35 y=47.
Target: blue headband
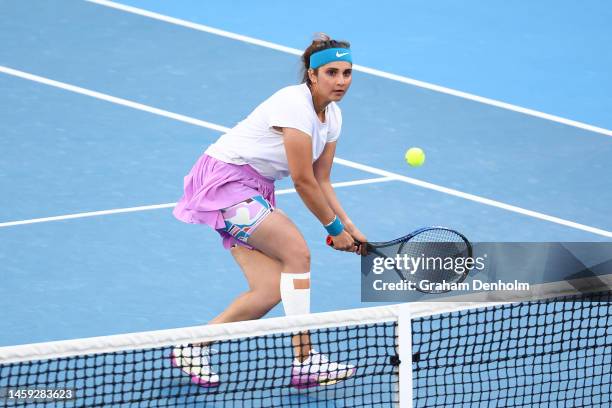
x=330 y=55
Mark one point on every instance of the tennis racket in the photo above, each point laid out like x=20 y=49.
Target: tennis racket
x=439 y=256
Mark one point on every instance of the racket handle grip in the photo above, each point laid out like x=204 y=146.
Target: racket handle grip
x=330 y=242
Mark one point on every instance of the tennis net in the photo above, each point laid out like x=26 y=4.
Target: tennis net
x=555 y=352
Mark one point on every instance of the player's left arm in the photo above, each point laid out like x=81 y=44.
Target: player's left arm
x=322 y=172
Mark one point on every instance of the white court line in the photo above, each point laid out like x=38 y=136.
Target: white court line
x=111 y=99
x=472 y=197
x=348 y=163
x=371 y=71
x=169 y=205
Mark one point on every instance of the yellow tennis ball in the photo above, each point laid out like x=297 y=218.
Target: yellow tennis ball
x=415 y=157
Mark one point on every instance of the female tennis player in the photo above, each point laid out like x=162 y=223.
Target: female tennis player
x=231 y=188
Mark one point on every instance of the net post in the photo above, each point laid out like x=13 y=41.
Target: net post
x=404 y=349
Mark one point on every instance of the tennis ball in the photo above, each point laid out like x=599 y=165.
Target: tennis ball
x=415 y=157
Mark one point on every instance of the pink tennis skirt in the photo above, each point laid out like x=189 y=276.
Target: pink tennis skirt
x=212 y=185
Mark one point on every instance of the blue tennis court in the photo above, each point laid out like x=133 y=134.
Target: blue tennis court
x=106 y=106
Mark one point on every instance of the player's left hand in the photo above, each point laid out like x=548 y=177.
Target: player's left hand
x=359 y=237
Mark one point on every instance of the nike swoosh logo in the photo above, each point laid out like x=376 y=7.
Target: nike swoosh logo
x=338 y=55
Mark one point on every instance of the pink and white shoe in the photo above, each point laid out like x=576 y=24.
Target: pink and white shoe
x=194 y=361
x=318 y=370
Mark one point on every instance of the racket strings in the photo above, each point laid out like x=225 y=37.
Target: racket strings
x=436 y=255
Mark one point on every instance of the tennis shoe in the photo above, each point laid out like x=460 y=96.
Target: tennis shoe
x=195 y=362
x=318 y=370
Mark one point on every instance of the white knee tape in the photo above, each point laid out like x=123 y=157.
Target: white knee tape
x=295 y=301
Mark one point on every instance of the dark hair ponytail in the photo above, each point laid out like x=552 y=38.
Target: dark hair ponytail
x=320 y=42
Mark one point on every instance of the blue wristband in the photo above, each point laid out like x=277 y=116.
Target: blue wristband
x=335 y=227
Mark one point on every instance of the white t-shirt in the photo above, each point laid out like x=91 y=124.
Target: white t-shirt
x=254 y=141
